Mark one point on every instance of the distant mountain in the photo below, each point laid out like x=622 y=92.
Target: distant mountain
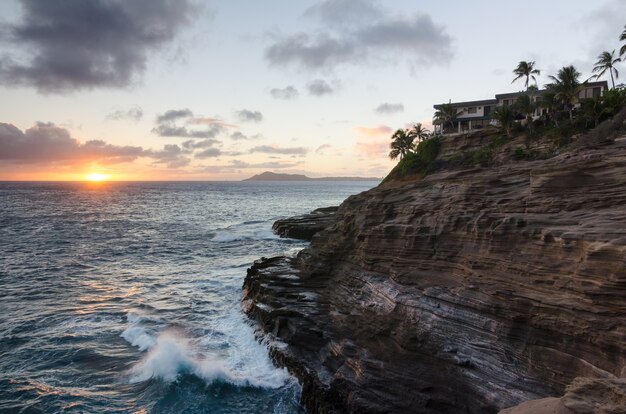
x=270 y=176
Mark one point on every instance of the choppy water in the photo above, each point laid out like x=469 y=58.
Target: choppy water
x=124 y=297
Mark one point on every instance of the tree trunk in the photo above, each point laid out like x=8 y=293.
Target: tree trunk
x=612 y=80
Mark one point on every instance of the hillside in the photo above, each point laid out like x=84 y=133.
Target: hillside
x=271 y=176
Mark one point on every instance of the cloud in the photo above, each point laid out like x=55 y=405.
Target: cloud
x=183 y=132
x=209 y=153
x=173 y=115
x=83 y=44
x=389 y=108
x=133 y=114
x=167 y=125
x=246 y=115
x=361 y=31
x=373 y=149
x=273 y=149
x=172 y=155
x=192 y=144
x=48 y=143
x=236 y=165
x=342 y=12
x=321 y=148
x=287 y=93
x=374 y=131
x=319 y=87
x=238 y=136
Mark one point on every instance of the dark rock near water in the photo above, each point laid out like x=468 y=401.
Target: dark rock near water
x=304 y=227
x=468 y=291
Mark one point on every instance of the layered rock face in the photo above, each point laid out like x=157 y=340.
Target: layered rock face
x=304 y=227
x=468 y=291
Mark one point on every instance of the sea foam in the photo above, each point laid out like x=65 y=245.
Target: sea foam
x=230 y=354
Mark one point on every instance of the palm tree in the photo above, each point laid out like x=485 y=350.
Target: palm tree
x=592 y=111
x=445 y=115
x=401 y=144
x=505 y=115
x=419 y=132
x=526 y=106
x=606 y=61
x=566 y=86
x=527 y=70
x=548 y=101
x=622 y=38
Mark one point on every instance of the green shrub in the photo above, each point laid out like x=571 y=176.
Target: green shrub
x=422 y=160
x=519 y=154
x=480 y=156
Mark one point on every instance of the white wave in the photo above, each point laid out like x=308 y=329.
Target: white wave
x=135 y=318
x=247 y=358
x=139 y=337
x=227 y=237
x=173 y=355
x=254 y=230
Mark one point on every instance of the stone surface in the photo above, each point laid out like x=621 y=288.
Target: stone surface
x=468 y=291
x=304 y=227
x=583 y=396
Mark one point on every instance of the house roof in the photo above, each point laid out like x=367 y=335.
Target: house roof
x=510 y=95
x=469 y=103
x=598 y=83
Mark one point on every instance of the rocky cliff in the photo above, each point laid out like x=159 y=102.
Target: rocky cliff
x=467 y=291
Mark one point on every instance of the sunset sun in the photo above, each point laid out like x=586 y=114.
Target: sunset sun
x=96 y=177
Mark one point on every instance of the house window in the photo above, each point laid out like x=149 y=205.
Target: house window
x=597 y=92
x=471 y=110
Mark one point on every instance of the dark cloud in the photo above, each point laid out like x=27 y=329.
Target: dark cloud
x=205 y=143
x=389 y=108
x=319 y=87
x=48 y=143
x=287 y=93
x=171 y=155
x=167 y=125
x=184 y=132
x=133 y=114
x=238 y=136
x=81 y=44
x=357 y=31
x=272 y=149
x=209 y=153
x=173 y=115
x=342 y=12
x=246 y=115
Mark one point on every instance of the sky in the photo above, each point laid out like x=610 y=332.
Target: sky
x=222 y=90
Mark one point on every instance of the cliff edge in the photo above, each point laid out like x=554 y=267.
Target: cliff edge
x=467 y=291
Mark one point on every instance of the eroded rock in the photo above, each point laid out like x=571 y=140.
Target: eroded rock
x=466 y=292
x=304 y=227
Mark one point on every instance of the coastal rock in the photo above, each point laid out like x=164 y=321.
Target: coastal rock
x=304 y=227
x=468 y=291
x=584 y=395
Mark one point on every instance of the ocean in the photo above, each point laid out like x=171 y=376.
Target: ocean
x=124 y=297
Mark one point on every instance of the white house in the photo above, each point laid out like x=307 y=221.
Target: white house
x=472 y=115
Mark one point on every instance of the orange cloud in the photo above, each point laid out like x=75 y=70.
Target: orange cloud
x=373 y=149
x=374 y=131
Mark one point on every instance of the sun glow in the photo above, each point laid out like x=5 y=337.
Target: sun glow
x=96 y=177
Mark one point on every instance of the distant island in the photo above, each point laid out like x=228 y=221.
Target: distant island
x=270 y=176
